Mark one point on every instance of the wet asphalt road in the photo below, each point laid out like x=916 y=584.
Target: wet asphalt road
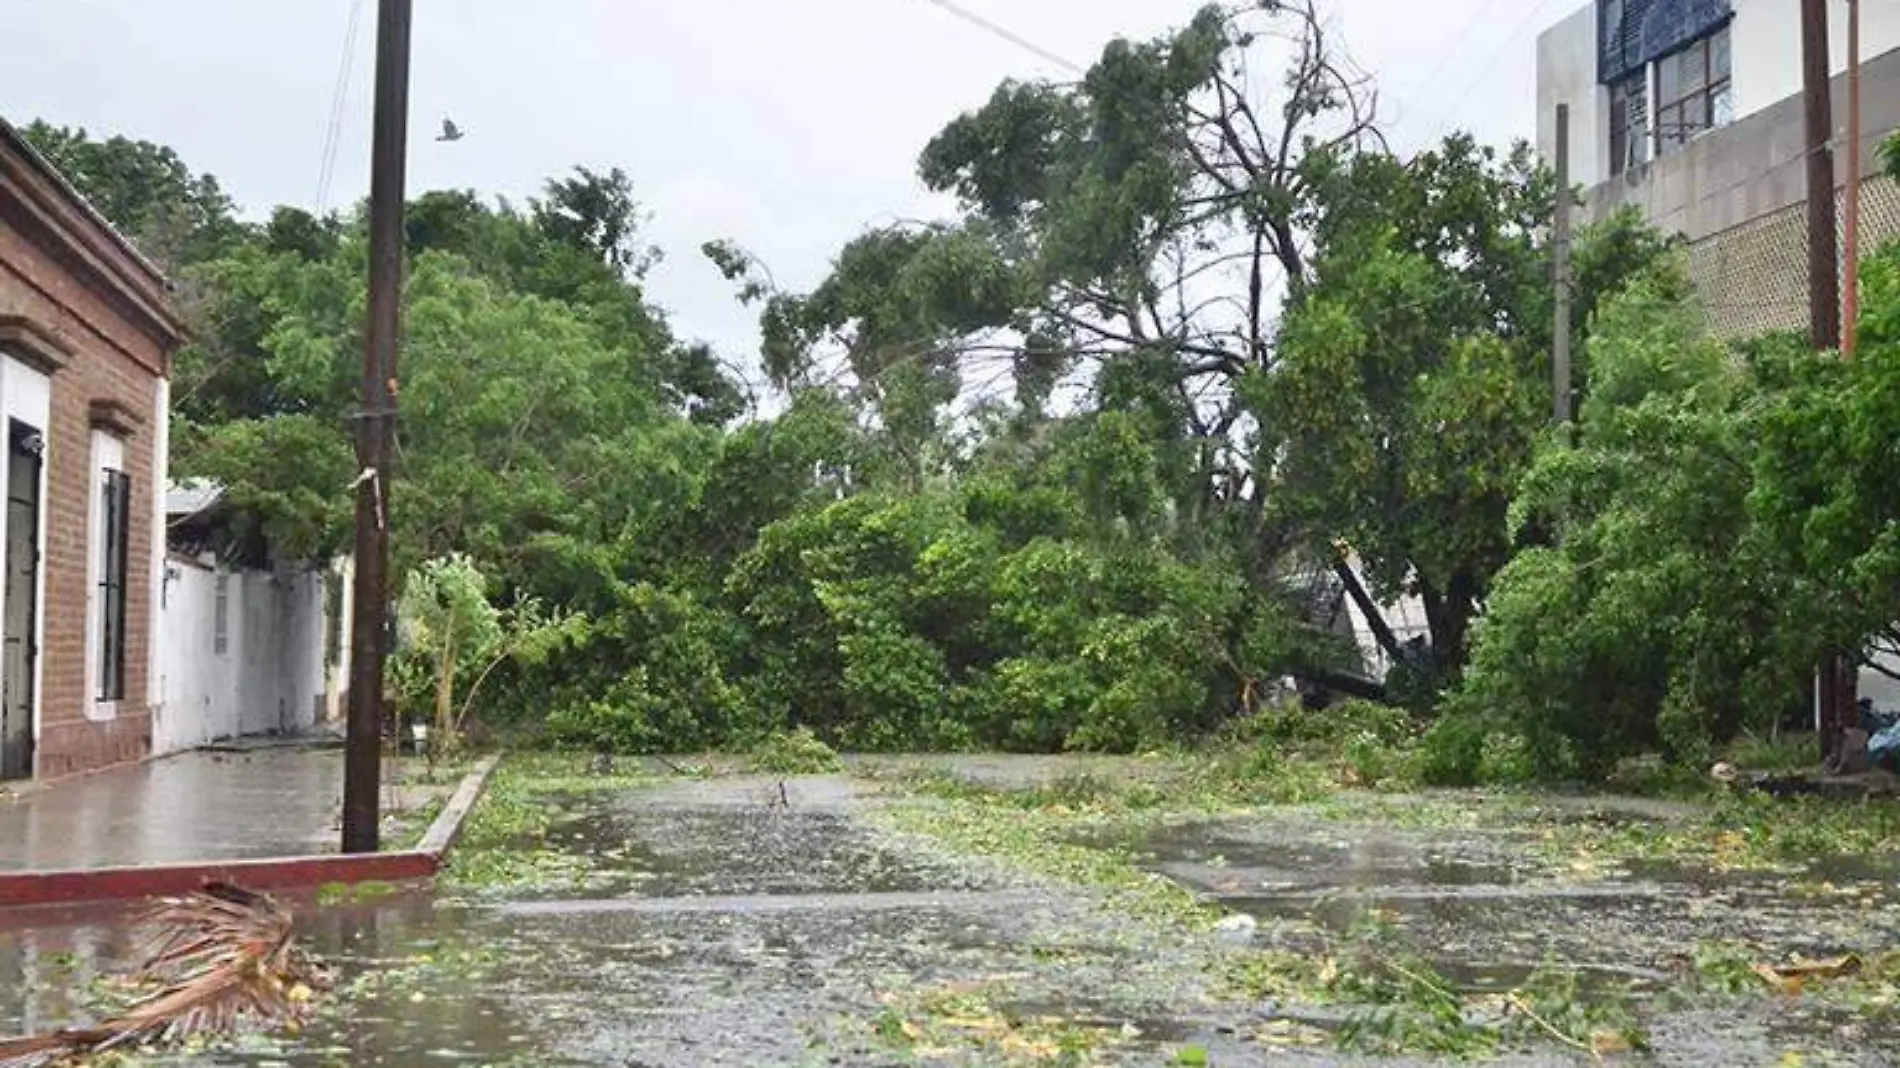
x=736 y=925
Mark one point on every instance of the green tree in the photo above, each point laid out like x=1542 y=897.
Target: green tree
x=174 y=216
x=1659 y=617
x=1413 y=378
x=1104 y=220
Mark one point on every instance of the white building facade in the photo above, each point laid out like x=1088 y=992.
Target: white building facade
x=1645 y=79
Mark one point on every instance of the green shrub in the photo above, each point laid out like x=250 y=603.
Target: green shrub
x=794 y=752
x=1506 y=758
x=1452 y=750
x=1034 y=703
x=1371 y=758
x=1796 y=752
x=627 y=719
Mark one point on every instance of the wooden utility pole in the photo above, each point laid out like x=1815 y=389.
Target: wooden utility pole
x=1824 y=298
x=1850 y=286
x=376 y=431
x=1561 y=384
x=1845 y=671
x=1823 y=257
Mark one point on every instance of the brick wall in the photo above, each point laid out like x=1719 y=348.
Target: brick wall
x=107 y=368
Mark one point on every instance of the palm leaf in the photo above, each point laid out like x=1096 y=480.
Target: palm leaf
x=219 y=957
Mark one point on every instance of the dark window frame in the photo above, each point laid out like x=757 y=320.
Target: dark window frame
x=1629 y=140
x=1677 y=121
x=115 y=520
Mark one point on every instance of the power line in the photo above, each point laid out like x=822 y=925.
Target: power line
x=1456 y=40
x=1484 y=69
x=1006 y=34
x=339 y=99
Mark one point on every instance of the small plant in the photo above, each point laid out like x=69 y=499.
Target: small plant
x=1261 y=774
x=1074 y=790
x=1370 y=759
x=453 y=637
x=795 y=752
x=1553 y=1004
x=1787 y=753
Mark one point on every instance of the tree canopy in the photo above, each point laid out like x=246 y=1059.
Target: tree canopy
x=1196 y=369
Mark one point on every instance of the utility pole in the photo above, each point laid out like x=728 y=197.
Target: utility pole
x=1562 y=387
x=376 y=431
x=1824 y=298
x=1850 y=286
x=1823 y=257
x=1846 y=674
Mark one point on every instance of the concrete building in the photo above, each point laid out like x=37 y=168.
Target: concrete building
x=86 y=338
x=1690 y=111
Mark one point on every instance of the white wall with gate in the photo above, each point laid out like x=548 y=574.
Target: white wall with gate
x=240 y=653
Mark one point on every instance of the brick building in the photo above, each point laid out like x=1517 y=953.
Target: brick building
x=86 y=337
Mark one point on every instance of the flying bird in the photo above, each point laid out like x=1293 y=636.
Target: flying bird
x=450 y=131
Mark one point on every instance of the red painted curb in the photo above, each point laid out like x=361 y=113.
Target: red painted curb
x=80 y=885
x=273 y=873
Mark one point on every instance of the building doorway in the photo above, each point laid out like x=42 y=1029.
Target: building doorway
x=25 y=446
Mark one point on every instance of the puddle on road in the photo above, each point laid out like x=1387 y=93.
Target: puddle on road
x=1486 y=910
x=422 y=983
x=1286 y=857
x=471 y=981
x=411 y=979
x=474 y=982
x=643 y=849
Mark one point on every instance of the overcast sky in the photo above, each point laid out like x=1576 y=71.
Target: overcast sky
x=787 y=125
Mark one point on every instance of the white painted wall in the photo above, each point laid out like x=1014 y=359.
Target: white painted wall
x=1567 y=74
x=1765 y=39
x=1766 y=36
x=1883 y=691
x=270 y=676
x=345 y=570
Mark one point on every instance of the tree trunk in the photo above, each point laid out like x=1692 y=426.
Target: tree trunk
x=1448 y=616
x=445 y=687
x=1350 y=685
x=1375 y=618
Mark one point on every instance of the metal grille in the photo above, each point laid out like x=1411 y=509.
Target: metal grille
x=1753 y=278
x=1634 y=32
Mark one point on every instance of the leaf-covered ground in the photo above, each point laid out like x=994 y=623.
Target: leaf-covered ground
x=991 y=910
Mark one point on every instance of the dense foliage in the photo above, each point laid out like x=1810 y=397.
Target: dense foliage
x=1100 y=462
x=1722 y=517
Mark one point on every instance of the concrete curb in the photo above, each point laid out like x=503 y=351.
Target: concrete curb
x=78 y=885
x=448 y=822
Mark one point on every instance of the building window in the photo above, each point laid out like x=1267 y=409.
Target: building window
x=1629 y=123
x=221 y=616
x=115 y=545
x=1693 y=92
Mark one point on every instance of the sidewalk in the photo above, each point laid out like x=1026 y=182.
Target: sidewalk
x=265 y=818
x=198 y=806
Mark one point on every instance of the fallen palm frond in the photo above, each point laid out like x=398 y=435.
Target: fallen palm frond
x=218 y=957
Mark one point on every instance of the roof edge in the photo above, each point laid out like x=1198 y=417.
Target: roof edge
x=18 y=142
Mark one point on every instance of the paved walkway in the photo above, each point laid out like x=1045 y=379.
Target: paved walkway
x=190 y=807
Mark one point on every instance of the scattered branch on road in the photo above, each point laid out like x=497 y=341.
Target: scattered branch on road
x=220 y=957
